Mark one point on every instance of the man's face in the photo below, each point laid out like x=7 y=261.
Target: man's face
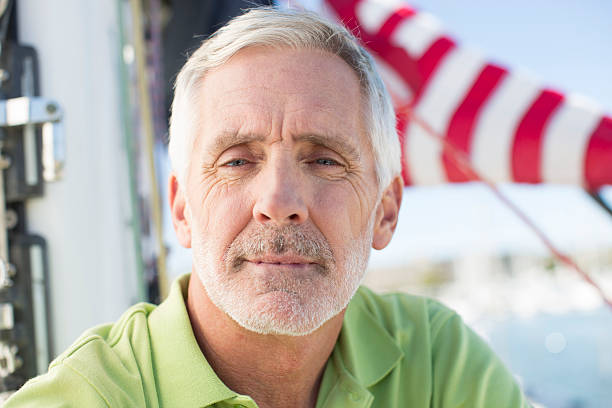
x=281 y=194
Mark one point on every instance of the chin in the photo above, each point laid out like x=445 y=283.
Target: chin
x=280 y=313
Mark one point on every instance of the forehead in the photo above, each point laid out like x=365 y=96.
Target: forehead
x=282 y=92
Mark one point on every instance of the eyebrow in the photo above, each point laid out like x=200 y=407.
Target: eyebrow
x=331 y=142
x=227 y=139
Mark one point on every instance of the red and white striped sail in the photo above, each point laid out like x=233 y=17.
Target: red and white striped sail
x=512 y=128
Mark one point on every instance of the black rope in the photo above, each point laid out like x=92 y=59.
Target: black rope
x=598 y=197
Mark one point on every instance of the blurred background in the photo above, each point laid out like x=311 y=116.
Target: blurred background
x=521 y=88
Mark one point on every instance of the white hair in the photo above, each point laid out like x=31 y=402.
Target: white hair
x=294 y=29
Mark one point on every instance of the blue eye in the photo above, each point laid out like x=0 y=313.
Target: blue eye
x=236 y=163
x=326 y=162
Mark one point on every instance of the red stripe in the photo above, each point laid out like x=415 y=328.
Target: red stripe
x=598 y=159
x=461 y=125
x=379 y=43
x=402 y=125
x=430 y=60
x=397 y=58
x=399 y=15
x=415 y=73
x=527 y=146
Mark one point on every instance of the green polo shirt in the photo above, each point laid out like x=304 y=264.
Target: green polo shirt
x=393 y=351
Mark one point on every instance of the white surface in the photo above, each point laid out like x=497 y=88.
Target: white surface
x=417 y=33
x=83 y=217
x=496 y=125
x=373 y=13
x=566 y=137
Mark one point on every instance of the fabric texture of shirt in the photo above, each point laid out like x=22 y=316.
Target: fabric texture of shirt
x=394 y=350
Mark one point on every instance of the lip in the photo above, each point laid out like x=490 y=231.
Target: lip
x=287 y=259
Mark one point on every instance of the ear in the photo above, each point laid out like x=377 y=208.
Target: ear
x=181 y=216
x=387 y=213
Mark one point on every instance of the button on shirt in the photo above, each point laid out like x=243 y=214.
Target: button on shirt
x=394 y=350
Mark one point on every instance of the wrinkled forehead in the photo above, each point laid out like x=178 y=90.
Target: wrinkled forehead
x=313 y=91
x=291 y=70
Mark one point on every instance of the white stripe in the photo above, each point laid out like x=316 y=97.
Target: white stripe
x=417 y=33
x=445 y=91
x=395 y=84
x=565 y=141
x=373 y=13
x=496 y=125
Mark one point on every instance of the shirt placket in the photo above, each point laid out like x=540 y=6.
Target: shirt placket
x=348 y=393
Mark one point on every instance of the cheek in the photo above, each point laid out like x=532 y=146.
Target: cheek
x=340 y=213
x=222 y=216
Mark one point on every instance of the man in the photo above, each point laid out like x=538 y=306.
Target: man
x=285 y=172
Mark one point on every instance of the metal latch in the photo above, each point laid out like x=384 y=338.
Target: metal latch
x=7 y=271
x=39 y=111
x=9 y=361
x=7 y=316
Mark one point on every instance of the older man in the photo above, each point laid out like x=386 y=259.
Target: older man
x=286 y=172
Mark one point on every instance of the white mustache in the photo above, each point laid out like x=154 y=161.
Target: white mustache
x=264 y=240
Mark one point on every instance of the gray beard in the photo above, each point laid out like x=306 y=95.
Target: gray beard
x=304 y=303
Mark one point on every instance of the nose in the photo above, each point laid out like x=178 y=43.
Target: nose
x=280 y=195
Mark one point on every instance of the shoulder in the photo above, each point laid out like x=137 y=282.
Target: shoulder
x=109 y=342
x=431 y=326
x=441 y=353
x=132 y=325
x=397 y=311
x=103 y=367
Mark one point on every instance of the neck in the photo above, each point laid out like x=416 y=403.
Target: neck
x=275 y=371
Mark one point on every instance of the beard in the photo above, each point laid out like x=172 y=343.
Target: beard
x=294 y=303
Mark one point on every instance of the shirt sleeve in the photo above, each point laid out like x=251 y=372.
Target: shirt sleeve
x=61 y=387
x=466 y=372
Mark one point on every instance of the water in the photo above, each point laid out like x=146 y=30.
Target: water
x=562 y=361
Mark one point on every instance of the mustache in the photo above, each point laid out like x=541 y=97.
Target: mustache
x=278 y=240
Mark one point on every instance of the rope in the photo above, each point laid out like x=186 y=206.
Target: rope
x=463 y=163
